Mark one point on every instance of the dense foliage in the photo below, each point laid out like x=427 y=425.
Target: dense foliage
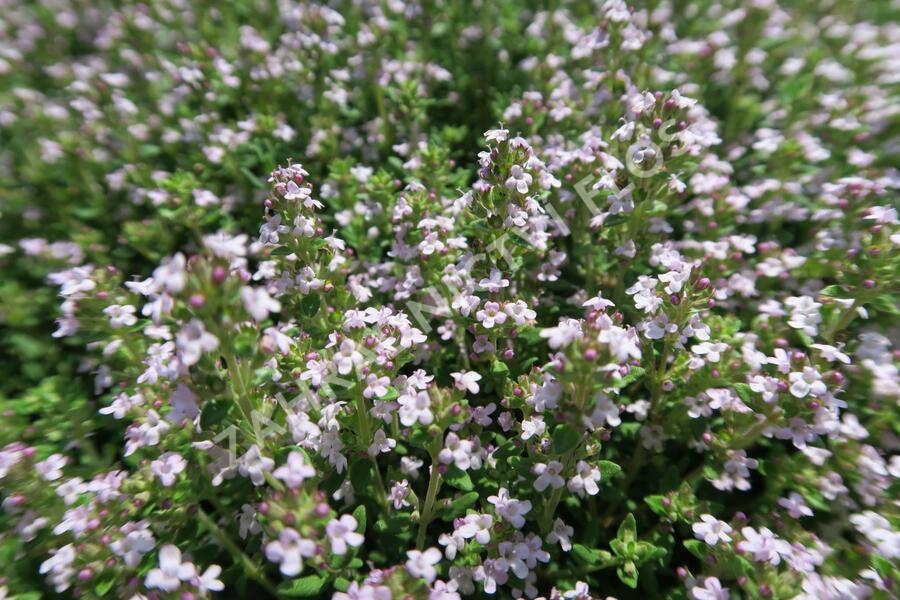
x=441 y=299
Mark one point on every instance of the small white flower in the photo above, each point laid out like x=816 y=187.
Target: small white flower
x=795 y=505
x=491 y=314
x=711 y=530
x=533 y=427
x=518 y=179
x=466 y=380
x=376 y=386
x=247 y=523
x=167 y=467
x=478 y=527
x=193 y=340
x=209 y=581
x=51 y=468
x=399 y=493
x=381 y=443
x=120 y=315
x=347 y=358
x=289 y=550
x=495 y=282
x=171 y=571
x=415 y=406
x=510 y=509
x=259 y=303
x=561 y=533
x=342 y=533
x=254 y=465
x=295 y=471
x=549 y=474
x=421 y=564
x=807 y=382
x=605 y=410
x=710 y=590
x=831 y=354
x=563 y=334
x=496 y=135
x=585 y=480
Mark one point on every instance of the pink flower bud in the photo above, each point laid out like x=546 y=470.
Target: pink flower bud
x=219 y=274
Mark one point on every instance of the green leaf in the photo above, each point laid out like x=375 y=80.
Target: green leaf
x=304 y=587
x=886 y=303
x=361 y=474
x=281 y=251
x=499 y=368
x=360 y=515
x=656 y=504
x=309 y=306
x=102 y=588
x=744 y=392
x=459 y=506
x=633 y=375
x=884 y=567
x=613 y=220
x=589 y=555
x=395 y=524
x=253 y=179
x=627 y=529
x=697 y=548
x=832 y=291
x=565 y=438
x=645 y=551
x=608 y=469
x=628 y=573
x=213 y=413
x=459 y=479
x=507 y=449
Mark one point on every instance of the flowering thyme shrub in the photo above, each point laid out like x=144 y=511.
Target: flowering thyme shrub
x=429 y=300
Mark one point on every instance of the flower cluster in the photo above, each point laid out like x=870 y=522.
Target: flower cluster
x=583 y=302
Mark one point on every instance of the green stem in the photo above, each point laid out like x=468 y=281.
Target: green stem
x=238 y=387
x=362 y=417
x=434 y=482
x=568 y=458
x=550 y=507
x=252 y=570
x=747 y=439
x=843 y=321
